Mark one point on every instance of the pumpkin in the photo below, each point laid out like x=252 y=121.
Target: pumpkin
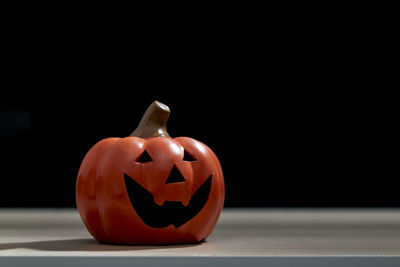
x=149 y=188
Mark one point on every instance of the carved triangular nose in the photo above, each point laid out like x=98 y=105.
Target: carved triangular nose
x=175 y=176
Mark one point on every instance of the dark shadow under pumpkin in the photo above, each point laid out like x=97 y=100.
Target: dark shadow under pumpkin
x=81 y=245
x=171 y=212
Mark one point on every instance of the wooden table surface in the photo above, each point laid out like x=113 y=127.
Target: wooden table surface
x=242 y=236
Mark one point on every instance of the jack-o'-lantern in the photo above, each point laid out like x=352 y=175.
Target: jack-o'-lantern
x=149 y=188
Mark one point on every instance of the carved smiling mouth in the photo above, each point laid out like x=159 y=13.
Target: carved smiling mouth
x=171 y=212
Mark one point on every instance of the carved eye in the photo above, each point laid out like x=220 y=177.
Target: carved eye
x=188 y=157
x=144 y=157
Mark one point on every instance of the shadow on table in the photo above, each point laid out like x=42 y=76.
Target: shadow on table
x=81 y=245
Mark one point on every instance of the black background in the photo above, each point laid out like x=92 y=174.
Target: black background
x=297 y=117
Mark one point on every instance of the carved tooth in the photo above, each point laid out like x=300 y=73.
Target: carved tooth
x=186 y=202
x=159 y=200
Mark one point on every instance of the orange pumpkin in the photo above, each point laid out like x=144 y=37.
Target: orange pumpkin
x=149 y=188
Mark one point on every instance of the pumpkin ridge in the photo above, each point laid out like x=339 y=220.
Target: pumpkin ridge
x=97 y=172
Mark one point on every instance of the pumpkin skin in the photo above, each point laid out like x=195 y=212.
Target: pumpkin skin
x=105 y=205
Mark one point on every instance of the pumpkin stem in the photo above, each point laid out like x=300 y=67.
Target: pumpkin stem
x=154 y=122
